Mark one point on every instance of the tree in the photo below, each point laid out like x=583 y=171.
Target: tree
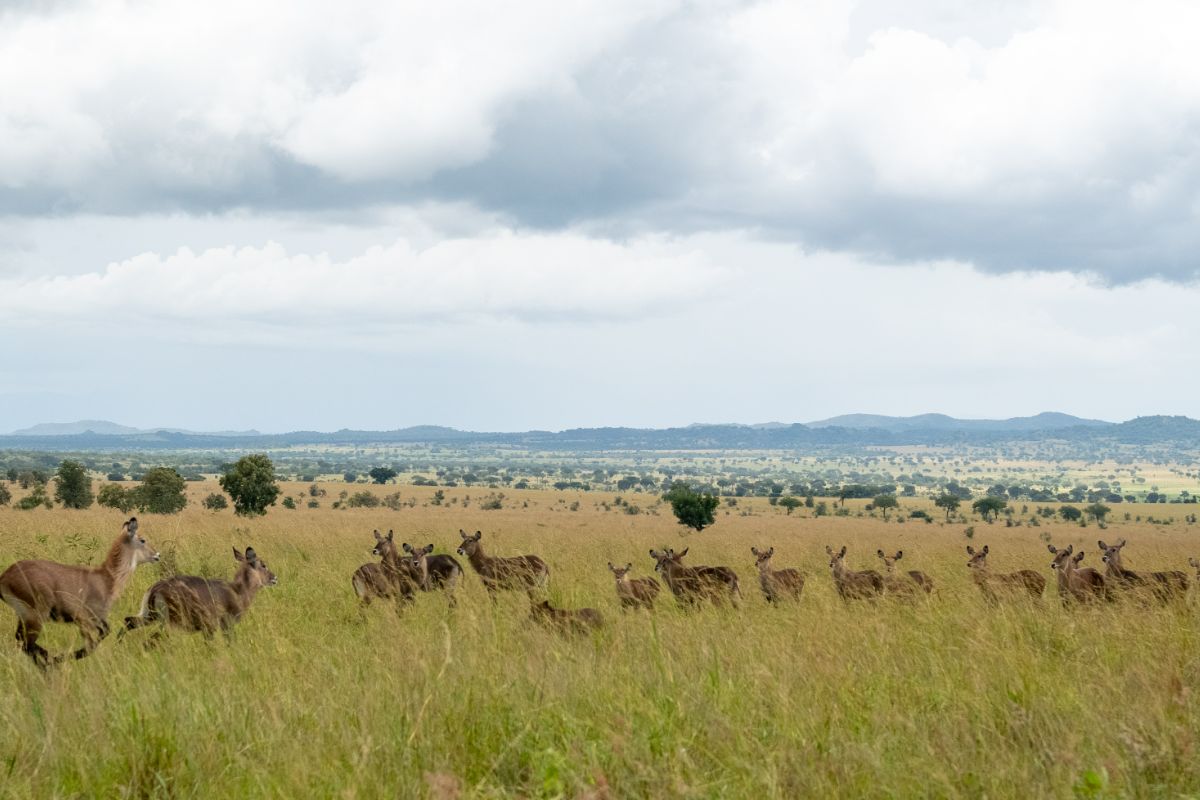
x=350 y=477
x=251 y=484
x=1097 y=511
x=113 y=496
x=74 y=487
x=382 y=475
x=1070 y=513
x=988 y=507
x=5 y=495
x=693 y=509
x=161 y=492
x=216 y=502
x=948 y=502
x=790 y=503
x=886 y=502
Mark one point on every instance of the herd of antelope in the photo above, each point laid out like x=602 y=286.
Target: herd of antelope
x=40 y=591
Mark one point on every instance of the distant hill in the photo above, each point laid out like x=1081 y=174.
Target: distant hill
x=103 y=427
x=1046 y=421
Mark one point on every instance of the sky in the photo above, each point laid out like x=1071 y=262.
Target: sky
x=542 y=215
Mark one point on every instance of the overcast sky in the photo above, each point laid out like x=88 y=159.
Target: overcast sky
x=500 y=216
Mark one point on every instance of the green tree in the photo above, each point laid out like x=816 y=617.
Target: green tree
x=73 y=485
x=693 y=509
x=886 y=502
x=988 y=507
x=251 y=484
x=5 y=495
x=382 y=475
x=37 y=497
x=948 y=502
x=1097 y=511
x=289 y=503
x=790 y=503
x=160 y=492
x=113 y=496
x=216 y=502
x=1070 y=513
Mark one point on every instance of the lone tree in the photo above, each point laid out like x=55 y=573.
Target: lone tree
x=886 y=502
x=113 y=496
x=988 y=507
x=251 y=484
x=1097 y=511
x=949 y=503
x=161 y=492
x=1070 y=513
x=790 y=503
x=5 y=495
x=382 y=475
x=74 y=487
x=692 y=508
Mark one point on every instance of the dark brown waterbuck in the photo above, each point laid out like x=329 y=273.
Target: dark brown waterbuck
x=203 y=605
x=565 y=620
x=433 y=572
x=850 y=584
x=994 y=585
x=516 y=572
x=1075 y=583
x=388 y=579
x=634 y=592
x=777 y=584
x=46 y=590
x=912 y=577
x=1169 y=585
x=693 y=584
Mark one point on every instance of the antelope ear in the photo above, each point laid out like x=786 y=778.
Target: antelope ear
x=629 y=566
x=463 y=533
x=429 y=547
x=1052 y=548
x=753 y=550
x=237 y=556
x=985 y=549
x=611 y=567
x=771 y=552
x=389 y=536
x=1101 y=544
x=653 y=554
x=378 y=538
x=685 y=551
x=478 y=535
x=828 y=549
x=1078 y=557
x=842 y=554
x=970 y=550
x=1121 y=543
x=131 y=527
x=899 y=554
x=1070 y=549
x=406 y=547
x=251 y=556
x=879 y=553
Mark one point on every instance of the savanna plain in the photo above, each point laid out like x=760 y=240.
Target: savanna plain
x=945 y=696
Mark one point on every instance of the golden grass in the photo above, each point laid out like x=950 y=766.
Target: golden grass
x=313 y=699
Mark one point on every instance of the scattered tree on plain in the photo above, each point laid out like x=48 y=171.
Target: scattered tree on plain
x=161 y=492
x=790 y=503
x=988 y=507
x=382 y=475
x=948 y=502
x=73 y=485
x=113 y=496
x=693 y=509
x=885 y=502
x=251 y=484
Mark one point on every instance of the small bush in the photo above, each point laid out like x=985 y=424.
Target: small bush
x=216 y=502
x=289 y=503
x=362 y=499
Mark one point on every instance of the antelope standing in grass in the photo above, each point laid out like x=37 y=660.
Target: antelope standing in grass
x=850 y=584
x=1075 y=583
x=692 y=584
x=201 y=604
x=995 y=584
x=914 y=577
x=517 y=572
x=46 y=590
x=634 y=592
x=433 y=572
x=777 y=584
x=388 y=579
x=1170 y=585
x=567 y=620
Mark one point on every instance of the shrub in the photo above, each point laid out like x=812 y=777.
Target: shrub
x=492 y=502
x=251 y=484
x=216 y=502
x=693 y=509
x=362 y=499
x=393 y=501
x=161 y=492
x=314 y=503
x=73 y=485
x=37 y=497
x=289 y=503
x=5 y=495
x=113 y=496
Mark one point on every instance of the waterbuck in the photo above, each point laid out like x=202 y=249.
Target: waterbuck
x=517 y=572
x=777 y=584
x=994 y=584
x=565 y=620
x=1074 y=583
x=433 y=572
x=388 y=579
x=203 y=604
x=45 y=590
x=1170 y=585
x=634 y=592
x=850 y=584
x=692 y=584
x=892 y=580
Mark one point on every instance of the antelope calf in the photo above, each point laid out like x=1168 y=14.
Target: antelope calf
x=201 y=604
x=517 y=572
x=634 y=592
x=777 y=584
x=693 y=584
x=893 y=581
x=567 y=621
x=995 y=584
x=850 y=584
x=388 y=579
x=1171 y=585
x=1075 y=583
x=46 y=590
x=433 y=572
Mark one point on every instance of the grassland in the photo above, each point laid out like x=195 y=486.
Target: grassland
x=949 y=698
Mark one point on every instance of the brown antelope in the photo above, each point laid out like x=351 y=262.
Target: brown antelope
x=46 y=590
x=994 y=584
x=565 y=620
x=202 y=604
x=516 y=572
x=433 y=572
x=850 y=584
x=1075 y=583
x=388 y=579
x=692 y=584
x=777 y=584
x=634 y=592
x=892 y=580
x=1165 y=585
